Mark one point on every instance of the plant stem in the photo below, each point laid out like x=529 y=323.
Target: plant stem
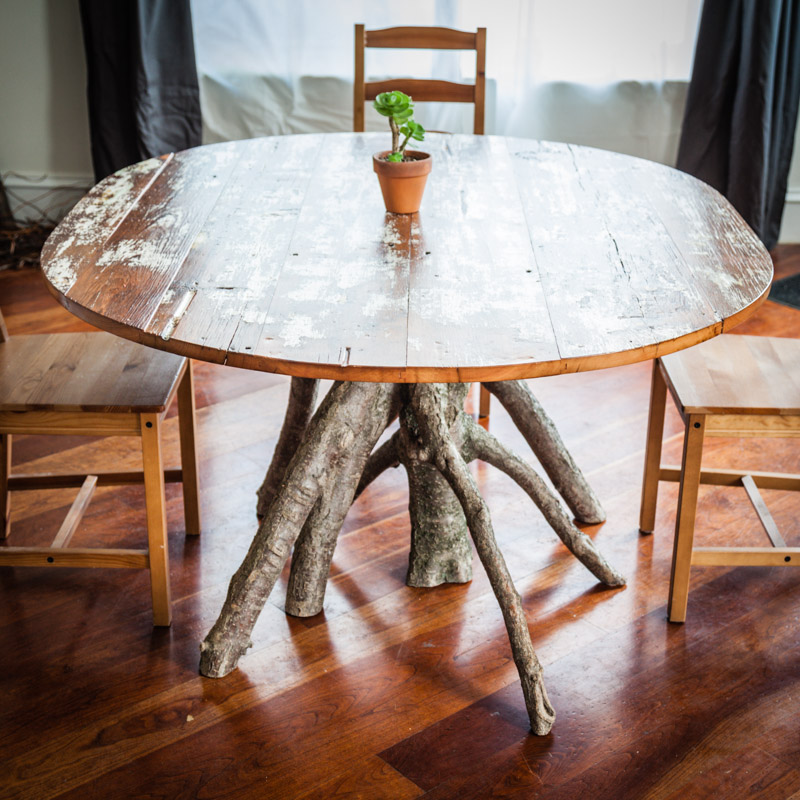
x=395 y=135
x=403 y=146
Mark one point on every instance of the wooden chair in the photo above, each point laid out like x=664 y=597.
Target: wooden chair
x=737 y=386
x=424 y=90
x=96 y=384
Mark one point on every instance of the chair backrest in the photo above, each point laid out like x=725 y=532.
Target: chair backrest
x=3 y=329
x=422 y=90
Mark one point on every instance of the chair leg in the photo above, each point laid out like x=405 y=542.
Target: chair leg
x=5 y=474
x=484 y=403
x=652 y=453
x=187 y=427
x=684 y=523
x=155 y=502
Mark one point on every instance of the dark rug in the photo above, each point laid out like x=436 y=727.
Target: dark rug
x=786 y=291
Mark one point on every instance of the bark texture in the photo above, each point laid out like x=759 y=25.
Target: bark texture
x=346 y=426
x=384 y=457
x=490 y=450
x=430 y=405
x=542 y=435
x=440 y=550
x=302 y=397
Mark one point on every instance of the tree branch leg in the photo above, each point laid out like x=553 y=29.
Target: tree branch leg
x=350 y=419
x=302 y=397
x=490 y=450
x=429 y=403
x=541 y=434
x=383 y=458
x=440 y=549
x=313 y=553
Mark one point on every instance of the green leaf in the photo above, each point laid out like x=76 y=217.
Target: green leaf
x=392 y=104
x=395 y=157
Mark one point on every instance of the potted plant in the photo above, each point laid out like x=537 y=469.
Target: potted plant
x=401 y=173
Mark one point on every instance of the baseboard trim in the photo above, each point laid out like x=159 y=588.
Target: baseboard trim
x=35 y=197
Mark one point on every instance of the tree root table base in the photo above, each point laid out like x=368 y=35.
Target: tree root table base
x=324 y=460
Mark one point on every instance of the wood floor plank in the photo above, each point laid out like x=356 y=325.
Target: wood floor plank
x=394 y=692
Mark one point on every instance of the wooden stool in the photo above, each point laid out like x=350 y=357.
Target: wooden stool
x=96 y=384
x=737 y=386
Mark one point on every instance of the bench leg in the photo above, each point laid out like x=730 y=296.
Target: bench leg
x=5 y=474
x=684 y=524
x=187 y=426
x=652 y=453
x=155 y=501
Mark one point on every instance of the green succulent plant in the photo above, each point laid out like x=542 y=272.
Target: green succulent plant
x=400 y=111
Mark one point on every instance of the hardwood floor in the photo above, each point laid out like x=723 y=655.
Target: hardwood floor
x=395 y=692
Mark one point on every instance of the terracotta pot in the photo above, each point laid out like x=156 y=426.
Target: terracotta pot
x=402 y=182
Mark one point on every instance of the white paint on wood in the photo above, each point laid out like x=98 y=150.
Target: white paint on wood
x=526 y=258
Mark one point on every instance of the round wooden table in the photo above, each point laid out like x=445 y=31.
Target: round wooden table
x=526 y=259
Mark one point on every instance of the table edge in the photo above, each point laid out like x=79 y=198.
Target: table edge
x=411 y=374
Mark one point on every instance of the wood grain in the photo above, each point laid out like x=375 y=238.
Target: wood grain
x=422 y=37
x=423 y=90
x=766 y=379
x=526 y=259
x=84 y=372
x=97 y=704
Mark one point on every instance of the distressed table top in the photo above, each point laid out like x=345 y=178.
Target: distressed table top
x=527 y=258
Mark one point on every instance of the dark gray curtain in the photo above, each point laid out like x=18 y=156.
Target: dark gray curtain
x=741 y=110
x=144 y=99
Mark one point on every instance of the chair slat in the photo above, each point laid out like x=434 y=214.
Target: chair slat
x=423 y=90
x=763 y=512
x=76 y=512
x=422 y=38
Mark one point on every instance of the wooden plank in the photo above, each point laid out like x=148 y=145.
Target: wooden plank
x=479 y=121
x=738 y=374
x=371 y=778
x=215 y=273
x=345 y=272
x=423 y=90
x=728 y=262
x=5 y=480
x=615 y=280
x=73 y=557
x=652 y=457
x=187 y=427
x=757 y=425
x=732 y=477
x=75 y=724
x=745 y=557
x=155 y=503
x=763 y=512
x=682 y=550
x=99 y=213
x=23 y=482
x=358 y=80
x=233 y=267
x=424 y=38
x=150 y=244
x=461 y=270
x=70 y=423
x=76 y=512
x=85 y=372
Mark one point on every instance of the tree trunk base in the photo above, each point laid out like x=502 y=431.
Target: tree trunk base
x=322 y=463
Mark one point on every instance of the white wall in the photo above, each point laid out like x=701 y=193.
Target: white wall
x=790 y=225
x=45 y=127
x=45 y=131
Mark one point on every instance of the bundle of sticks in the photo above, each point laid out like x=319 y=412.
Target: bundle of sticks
x=20 y=243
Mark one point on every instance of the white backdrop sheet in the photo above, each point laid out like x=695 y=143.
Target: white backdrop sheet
x=611 y=74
